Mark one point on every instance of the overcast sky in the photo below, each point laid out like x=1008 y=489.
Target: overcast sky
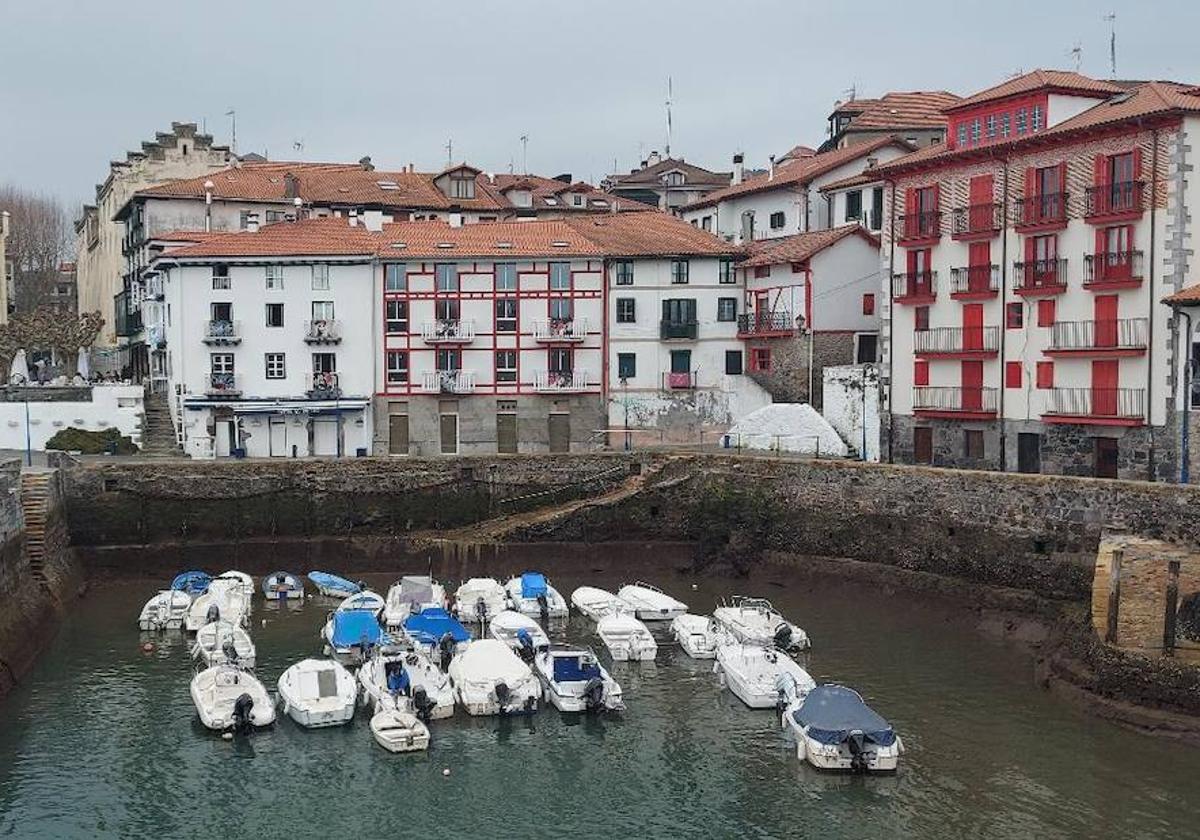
x=81 y=82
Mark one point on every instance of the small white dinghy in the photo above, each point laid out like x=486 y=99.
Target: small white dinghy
x=398 y=729
x=596 y=603
x=627 y=639
x=574 y=681
x=220 y=642
x=754 y=621
x=317 y=693
x=519 y=632
x=227 y=697
x=697 y=635
x=410 y=596
x=282 y=586
x=245 y=584
x=479 y=600
x=391 y=675
x=225 y=600
x=165 y=611
x=489 y=679
x=531 y=594
x=649 y=603
x=365 y=600
x=836 y=730
x=761 y=677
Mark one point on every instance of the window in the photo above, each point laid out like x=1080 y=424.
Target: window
x=561 y=359
x=1045 y=313
x=220 y=277
x=681 y=311
x=447 y=277
x=221 y=312
x=761 y=271
x=726 y=309
x=1014 y=315
x=561 y=309
x=854 y=205
x=1121 y=168
x=973 y=443
x=1012 y=374
x=274 y=274
x=395 y=277
x=222 y=362
x=760 y=359
x=397 y=367
x=274 y=314
x=276 y=216
x=674 y=179
x=1048 y=180
x=506 y=277
x=777 y=220
x=320 y=277
x=1005 y=125
x=447 y=359
x=867 y=350
x=962 y=134
x=624 y=273
x=462 y=187
x=322 y=310
x=506 y=366
x=577 y=200
x=626 y=365
x=275 y=366
x=679 y=271
x=324 y=362
x=1036 y=122
x=396 y=317
x=991 y=126
x=506 y=314
x=920 y=372
x=1045 y=375
x=921 y=318
x=626 y=311
x=727 y=275
x=706 y=223
x=1117 y=239
x=733 y=362
x=446 y=309
x=560 y=276
x=975 y=131
x=1022 y=120
x=868 y=303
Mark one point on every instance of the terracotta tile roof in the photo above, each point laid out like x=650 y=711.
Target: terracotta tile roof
x=329 y=237
x=1062 y=81
x=429 y=240
x=796 y=152
x=867 y=176
x=543 y=188
x=649 y=234
x=909 y=109
x=692 y=174
x=1187 y=296
x=801 y=171
x=801 y=246
x=854 y=106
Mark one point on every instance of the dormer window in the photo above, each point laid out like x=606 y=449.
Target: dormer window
x=551 y=201
x=674 y=179
x=577 y=200
x=462 y=187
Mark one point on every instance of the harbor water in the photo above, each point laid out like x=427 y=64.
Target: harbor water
x=102 y=740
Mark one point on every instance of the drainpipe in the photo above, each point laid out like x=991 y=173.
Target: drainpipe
x=1151 y=466
x=1003 y=313
x=1184 y=442
x=891 y=383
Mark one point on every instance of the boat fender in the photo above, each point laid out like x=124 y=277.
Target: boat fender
x=502 y=693
x=800 y=750
x=148 y=647
x=593 y=693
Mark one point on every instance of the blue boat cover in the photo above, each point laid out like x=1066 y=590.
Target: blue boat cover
x=355 y=627
x=533 y=585
x=194 y=582
x=832 y=712
x=327 y=580
x=432 y=623
x=572 y=669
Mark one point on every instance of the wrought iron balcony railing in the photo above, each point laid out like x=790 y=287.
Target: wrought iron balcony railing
x=1117 y=403
x=977 y=219
x=1114 y=199
x=956 y=340
x=1117 y=334
x=975 y=280
x=1042 y=209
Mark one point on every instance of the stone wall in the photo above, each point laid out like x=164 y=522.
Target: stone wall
x=787 y=380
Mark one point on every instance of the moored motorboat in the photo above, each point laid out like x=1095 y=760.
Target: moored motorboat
x=166 y=610
x=351 y=635
x=333 y=586
x=391 y=675
x=220 y=642
x=761 y=677
x=490 y=679
x=399 y=730
x=226 y=697
x=225 y=600
x=596 y=603
x=627 y=639
x=574 y=680
x=365 y=600
x=755 y=621
x=836 y=730
x=437 y=634
x=519 y=632
x=282 y=586
x=318 y=692
x=193 y=583
x=244 y=581
x=697 y=635
x=411 y=595
x=479 y=599
x=649 y=603
x=531 y=594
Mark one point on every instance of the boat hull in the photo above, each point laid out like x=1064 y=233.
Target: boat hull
x=399 y=732
x=318 y=718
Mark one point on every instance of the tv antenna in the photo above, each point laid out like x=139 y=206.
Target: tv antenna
x=450 y=152
x=524 y=154
x=298 y=145
x=1076 y=53
x=668 y=116
x=232 y=114
x=1111 y=17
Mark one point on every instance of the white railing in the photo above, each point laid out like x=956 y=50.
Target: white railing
x=436 y=332
x=450 y=381
x=558 y=381
x=554 y=330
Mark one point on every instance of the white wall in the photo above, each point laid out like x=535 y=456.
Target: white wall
x=851 y=406
x=118 y=406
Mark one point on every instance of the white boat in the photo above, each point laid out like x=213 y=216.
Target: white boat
x=220 y=642
x=227 y=697
x=489 y=679
x=519 y=632
x=596 y=603
x=244 y=582
x=225 y=600
x=755 y=621
x=836 y=730
x=531 y=594
x=697 y=635
x=351 y=635
x=649 y=603
x=627 y=639
x=399 y=730
x=317 y=693
x=388 y=675
x=365 y=600
x=479 y=599
x=574 y=680
x=165 y=611
x=282 y=586
x=411 y=595
x=761 y=677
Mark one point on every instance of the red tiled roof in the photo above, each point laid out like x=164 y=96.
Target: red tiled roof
x=544 y=238
x=649 y=234
x=797 y=152
x=692 y=174
x=1062 y=81
x=185 y=236
x=1187 y=296
x=909 y=109
x=801 y=246
x=328 y=237
x=867 y=176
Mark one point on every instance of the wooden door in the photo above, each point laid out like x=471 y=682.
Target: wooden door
x=449 y=433
x=506 y=433
x=398 y=434
x=972 y=386
x=1106 y=320
x=980 y=212
x=1105 y=450
x=972 y=314
x=979 y=267
x=923 y=445
x=278 y=437
x=560 y=432
x=1105 y=385
x=1029 y=452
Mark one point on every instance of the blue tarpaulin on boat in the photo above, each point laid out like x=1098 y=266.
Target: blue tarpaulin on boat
x=193 y=583
x=327 y=581
x=430 y=624
x=573 y=669
x=533 y=585
x=354 y=627
x=832 y=712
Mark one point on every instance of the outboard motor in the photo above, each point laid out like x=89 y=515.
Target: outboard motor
x=530 y=705
x=858 y=754
x=422 y=703
x=213 y=614
x=503 y=693
x=481 y=610
x=783 y=637
x=242 y=708
x=526 y=642
x=543 y=606
x=593 y=694
x=446 y=650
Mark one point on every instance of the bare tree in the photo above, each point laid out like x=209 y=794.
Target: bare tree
x=39 y=242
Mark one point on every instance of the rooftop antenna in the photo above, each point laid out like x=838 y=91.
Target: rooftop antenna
x=668 y=116
x=1111 y=17
x=1076 y=52
x=298 y=145
x=232 y=114
x=450 y=152
x=850 y=93
x=524 y=154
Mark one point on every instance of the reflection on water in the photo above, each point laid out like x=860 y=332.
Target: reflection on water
x=102 y=740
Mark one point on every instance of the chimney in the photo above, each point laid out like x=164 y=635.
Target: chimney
x=654 y=159
x=365 y=163
x=353 y=215
x=771 y=169
x=4 y=216
x=252 y=223
x=738 y=168
x=455 y=220
x=299 y=205
x=291 y=185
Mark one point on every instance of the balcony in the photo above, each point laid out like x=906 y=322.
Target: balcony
x=1118 y=337
x=127 y=319
x=560 y=381
x=448 y=332
x=1096 y=406
x=1042 y=212
x=923 y=228
x=324 y=331
x=324 y=386
x=685 y=381
x=975 y=282
x=954 y=402
x=450 y=381
x=677 y=329
x=1112 y=270
x=556 y=331
x=766 y=325
x=914 y=287
x=1040 y=278
x=223 y=385
x=977 y=221
x=222 y=333
x=1117 y=202
x=957 y=342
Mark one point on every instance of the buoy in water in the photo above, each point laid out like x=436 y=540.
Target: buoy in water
x=264 y=624
x=226 y=736
x=446 y=771
x=148 y=647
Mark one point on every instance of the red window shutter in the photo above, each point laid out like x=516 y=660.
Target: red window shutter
x=910 y=201
x=912 y=262
x=979 y=254
x=1030 y=182
x=1012 y=374
x=1137 y=163
x=1046 y=311
x=936 y=198
x=1100 y=170
x=1062 y=180
x=920 y=372
x=1045 y=375
x=1030 y=249
x=921 y=318
x=1101 y=241
x=868 y=304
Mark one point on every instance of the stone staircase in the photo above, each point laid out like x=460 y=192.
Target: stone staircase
x=34 y=504
x=158 y=432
